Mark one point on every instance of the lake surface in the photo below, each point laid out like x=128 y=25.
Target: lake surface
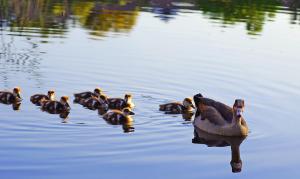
x=160 y=51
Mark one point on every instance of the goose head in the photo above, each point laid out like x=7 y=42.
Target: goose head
x=51 y=95
x=188 y=103
x=238 y=108
x=127 y=112
x=17 y=92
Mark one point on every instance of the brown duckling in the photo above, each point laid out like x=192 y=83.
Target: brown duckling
x=84 y=95
x=178 y=108
x=119 y=117
x=56 y=106
x=37 y=98
x=11 y=97
x=94 y=103
x=119 y=103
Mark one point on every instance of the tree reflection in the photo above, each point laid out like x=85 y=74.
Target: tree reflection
x=253 y=13
x=47 y=17
x=54 y=17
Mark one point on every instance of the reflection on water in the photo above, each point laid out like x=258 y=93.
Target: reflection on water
x=201 y=137
x=13 y=58
x=187 y=116
x=53 y=18
x=205 y=46
x=15 y=106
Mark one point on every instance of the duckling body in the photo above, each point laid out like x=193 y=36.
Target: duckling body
x=94 y=103
x=215 y=118
x=84 y=95
x=119 y=103
x=178 y=108
x=37 y=98
x=119 y=117
x=8 y=97
x=56 y=106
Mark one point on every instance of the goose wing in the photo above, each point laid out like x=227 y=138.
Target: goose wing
x=223 y=109
x=213 y=116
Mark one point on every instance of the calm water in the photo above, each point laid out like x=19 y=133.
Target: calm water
x=160 y=51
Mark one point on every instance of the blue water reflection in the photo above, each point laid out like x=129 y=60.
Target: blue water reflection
x=160 y=51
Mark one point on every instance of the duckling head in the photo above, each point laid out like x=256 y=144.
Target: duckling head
x=128 y=98
x=127 y=112
x=188 y=103
x=97 y=91
x=51 y=94
x=17 y=92
x=238 y=108
x=65 y=101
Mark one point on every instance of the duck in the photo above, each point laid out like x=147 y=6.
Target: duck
x=8 y=97
x=118 y=116
x=119 y=103
x=94 y=103
x=186 y=106
x=37 y=98
x=217 y=118
x=84 y=95
x=56 y=106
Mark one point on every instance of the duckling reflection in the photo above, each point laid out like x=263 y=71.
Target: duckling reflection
x=126 y=126
x=64 y=116
x=201 y=137
x=187 y=116
x=15 y=106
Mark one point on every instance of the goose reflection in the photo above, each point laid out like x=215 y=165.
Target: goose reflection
x=201 y=137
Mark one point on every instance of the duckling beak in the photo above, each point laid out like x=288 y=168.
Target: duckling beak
x=19 y=96
x=193 y=106
x=131 y=113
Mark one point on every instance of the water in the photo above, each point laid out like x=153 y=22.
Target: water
x=159 y=51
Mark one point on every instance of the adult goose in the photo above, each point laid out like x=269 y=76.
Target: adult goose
x=217 y=118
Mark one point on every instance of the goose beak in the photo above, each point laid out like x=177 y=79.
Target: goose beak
x=239 y=112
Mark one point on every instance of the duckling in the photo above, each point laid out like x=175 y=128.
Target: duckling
x=84 y=95
x=37 y=98
x=178 y=108
x=94 y=103
x=217 y=118
x=119 y=117
x=56 y=106
x=11 y=97
x=119 y=103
